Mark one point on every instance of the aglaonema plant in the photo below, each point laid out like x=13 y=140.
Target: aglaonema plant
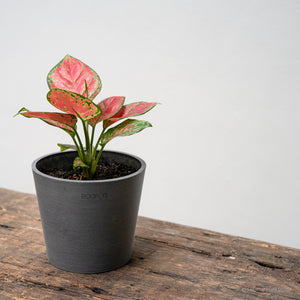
x=73 y=86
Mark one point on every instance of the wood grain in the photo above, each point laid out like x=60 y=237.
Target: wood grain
x=169 y=261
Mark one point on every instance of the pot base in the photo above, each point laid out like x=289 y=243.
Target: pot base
x=90 y=270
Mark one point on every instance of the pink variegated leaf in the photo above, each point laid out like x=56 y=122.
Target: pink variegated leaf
x=130 y=110
x=73 y=103
x=79 y=163
x=109 y=106
x=127 y=127
x=61 y=120
x=75 y=76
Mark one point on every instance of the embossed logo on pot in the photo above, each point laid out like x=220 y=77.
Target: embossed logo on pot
x=94 y=196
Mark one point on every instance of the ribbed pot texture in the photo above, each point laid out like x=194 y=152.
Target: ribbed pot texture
x=88 y=225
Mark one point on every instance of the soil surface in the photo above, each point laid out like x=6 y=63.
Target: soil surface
x=104 y=171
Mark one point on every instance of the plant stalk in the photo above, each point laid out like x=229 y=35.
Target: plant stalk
x=81 y=146
x=98 y=142
x=87 y=140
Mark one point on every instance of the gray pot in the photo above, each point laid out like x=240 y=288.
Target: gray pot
x=88 y=225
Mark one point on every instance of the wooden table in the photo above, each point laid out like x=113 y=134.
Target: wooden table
x=169 y=261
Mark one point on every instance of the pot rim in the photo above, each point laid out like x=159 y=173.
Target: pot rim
x=140 y=170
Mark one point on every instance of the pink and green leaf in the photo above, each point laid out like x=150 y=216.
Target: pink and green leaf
x=109 y=106
x=73 y=103
x=130 y=110
x=73 y=75
x=126 y=128
x=79 y=163
x=64 y=147
x=61 y=120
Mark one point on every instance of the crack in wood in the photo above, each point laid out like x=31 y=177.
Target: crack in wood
x=228 y=271
x=172 y=275
x=12 y=263
x=98 y=290
x=55 y=288
x=101 y=291
x=202 y=252
x=194 y=250
x=226 y=254
x=267 y=264
x=43 y=285
x=6 y=226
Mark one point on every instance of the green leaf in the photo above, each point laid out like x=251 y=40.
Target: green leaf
x=79 y=163
x=64 y=147
x=126 y=128
x=23 y=109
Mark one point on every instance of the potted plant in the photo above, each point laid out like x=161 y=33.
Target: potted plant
x=88 y=198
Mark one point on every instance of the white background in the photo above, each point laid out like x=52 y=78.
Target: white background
x=223 y=153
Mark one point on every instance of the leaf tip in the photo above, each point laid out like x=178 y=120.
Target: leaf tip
x=23 y=109
x=68 y=56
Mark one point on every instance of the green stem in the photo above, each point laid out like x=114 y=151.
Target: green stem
x=95 y=158
x=94 y=166
x=77 y=146
x=99 y=154
x=87 y=140
x=97 y=143
x=92 y=137
x=86 y=173
x=80 y=145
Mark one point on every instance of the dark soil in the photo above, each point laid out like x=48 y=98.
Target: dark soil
x=104 y=171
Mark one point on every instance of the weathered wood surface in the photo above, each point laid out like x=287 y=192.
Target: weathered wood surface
x=169 y=261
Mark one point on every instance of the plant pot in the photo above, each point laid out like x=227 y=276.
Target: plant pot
x=88 y=225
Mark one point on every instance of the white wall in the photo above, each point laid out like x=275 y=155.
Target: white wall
x=224 y=150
